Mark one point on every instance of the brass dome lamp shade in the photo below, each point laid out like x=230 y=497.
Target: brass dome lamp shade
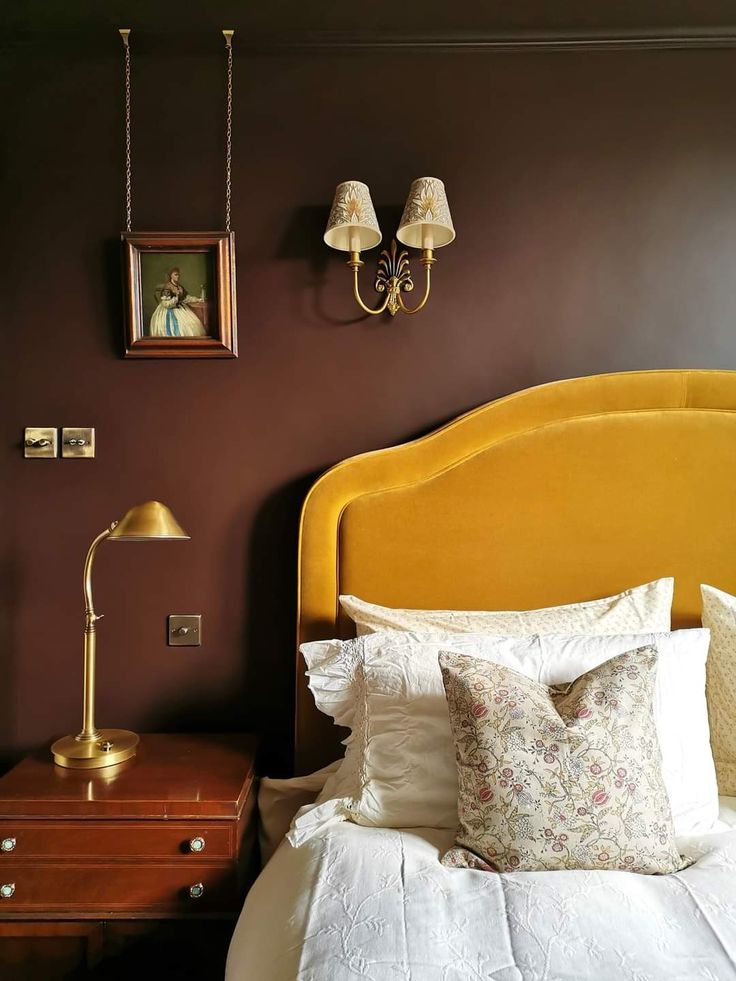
x=94 y=747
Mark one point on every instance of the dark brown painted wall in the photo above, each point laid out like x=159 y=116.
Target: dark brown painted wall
x=594 y=196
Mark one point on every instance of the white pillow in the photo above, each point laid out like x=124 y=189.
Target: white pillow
x=643 y=608
x=399 y=767
x=278 y=802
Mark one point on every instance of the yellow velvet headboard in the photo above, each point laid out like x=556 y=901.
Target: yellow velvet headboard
x=565 y=492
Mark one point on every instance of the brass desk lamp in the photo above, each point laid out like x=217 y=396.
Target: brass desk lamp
x=104 y=747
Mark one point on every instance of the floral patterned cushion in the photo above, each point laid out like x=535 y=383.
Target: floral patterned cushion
x=719 y=613
x=558 y=778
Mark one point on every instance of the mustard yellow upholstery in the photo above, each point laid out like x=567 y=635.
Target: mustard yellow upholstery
x=566 y=492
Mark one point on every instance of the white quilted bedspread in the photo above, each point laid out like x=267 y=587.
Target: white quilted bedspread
x=375 y=904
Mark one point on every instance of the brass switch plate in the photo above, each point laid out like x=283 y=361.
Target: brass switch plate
x=78 y=443
x=40 y=443
x=185 y=630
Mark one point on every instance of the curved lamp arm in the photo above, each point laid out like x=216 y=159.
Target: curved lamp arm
x=393 y=278
x=427 y=261
x=356 y=264
x=89 y=731
x=89 y=609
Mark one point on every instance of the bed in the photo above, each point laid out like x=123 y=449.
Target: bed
x=565 y=492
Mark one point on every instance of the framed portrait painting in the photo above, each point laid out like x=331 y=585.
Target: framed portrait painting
x=179 y=295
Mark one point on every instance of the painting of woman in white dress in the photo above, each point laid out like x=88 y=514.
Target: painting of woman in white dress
x=179 y=295
x=174 y=316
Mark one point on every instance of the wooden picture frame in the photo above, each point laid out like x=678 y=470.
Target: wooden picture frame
x=179 y=295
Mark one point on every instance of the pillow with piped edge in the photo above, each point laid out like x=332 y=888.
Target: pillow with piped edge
x=399 y=766
x=637 y=610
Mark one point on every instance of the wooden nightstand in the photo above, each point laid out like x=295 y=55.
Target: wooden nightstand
x=167 y=836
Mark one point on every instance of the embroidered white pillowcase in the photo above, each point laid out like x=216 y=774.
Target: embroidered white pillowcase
x=636 y=610
x=719 y=614
x=399 y=768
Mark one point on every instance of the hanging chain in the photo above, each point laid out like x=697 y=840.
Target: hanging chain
x=125 y=34
x=229 y=126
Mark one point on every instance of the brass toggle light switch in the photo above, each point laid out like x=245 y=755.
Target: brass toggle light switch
x=78 y=443
x=40 y=444
x=185 y=630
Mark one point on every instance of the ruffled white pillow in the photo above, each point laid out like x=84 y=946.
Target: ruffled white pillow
x=399 y=767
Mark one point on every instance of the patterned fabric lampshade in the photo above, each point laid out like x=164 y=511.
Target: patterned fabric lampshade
x=352 y=225
x=426 y=222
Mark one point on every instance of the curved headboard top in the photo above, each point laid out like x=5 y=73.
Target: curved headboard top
x=566 y=492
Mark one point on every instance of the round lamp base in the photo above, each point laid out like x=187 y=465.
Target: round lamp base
x=111 y=746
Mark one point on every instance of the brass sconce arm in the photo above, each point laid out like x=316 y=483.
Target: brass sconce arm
x=393 y=278
x=356 y=264
x=427 y=260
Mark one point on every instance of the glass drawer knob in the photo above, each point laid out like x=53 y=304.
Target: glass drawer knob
x=196 y=891
x=197 y=844
x=7 y=889
x=7 y=845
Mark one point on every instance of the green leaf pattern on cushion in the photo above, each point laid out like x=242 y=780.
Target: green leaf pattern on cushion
x=558 y=778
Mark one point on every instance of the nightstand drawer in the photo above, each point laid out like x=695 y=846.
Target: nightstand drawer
x=22 y=840
x=73 y=892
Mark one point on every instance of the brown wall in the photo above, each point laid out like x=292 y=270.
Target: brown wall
x=594 y=195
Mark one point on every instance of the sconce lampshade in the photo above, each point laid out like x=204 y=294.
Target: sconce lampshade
x=146 y=522
x=352 y=225
x=426 y=222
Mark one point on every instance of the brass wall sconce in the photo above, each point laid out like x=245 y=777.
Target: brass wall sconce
x=426 y=224
x=94 y=747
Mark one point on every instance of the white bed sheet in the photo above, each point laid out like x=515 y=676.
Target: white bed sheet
x=375 y=904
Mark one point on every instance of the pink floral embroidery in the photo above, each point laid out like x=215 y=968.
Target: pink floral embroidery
x=567 y=778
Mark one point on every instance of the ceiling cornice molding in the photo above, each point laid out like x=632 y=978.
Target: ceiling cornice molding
x=509 y=41
x=336 y=42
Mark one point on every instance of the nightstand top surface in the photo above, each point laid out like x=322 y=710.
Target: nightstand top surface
x=172 y=777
